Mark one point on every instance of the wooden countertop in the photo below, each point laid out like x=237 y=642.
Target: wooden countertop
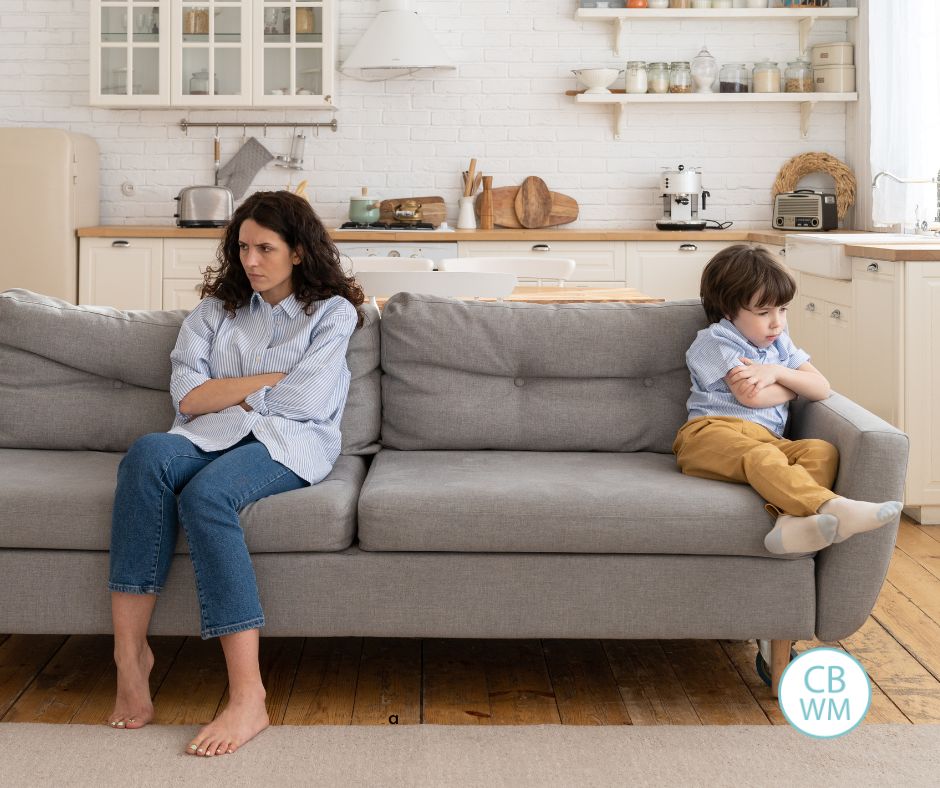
x=419 y=236
x=928 y=252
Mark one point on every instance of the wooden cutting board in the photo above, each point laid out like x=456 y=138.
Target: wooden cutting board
x=564 y=208
x=533 y=203
x=433 y=209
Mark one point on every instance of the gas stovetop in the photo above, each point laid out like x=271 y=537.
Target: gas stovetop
x=387 y=226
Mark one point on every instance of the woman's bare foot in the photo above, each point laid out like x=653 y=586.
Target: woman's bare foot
x=244 y=717
x=133 y=707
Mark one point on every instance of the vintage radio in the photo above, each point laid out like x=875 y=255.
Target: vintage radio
x=805 y=209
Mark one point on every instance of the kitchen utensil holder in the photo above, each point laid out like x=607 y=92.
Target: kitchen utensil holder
x=186 y=125
x=466 y=218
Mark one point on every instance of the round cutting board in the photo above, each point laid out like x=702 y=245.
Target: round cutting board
x=533 y=203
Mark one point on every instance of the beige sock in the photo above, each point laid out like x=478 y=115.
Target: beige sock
x=801 y=534
x=856 y=517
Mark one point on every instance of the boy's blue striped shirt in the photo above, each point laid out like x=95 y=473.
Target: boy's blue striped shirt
x=298 y=419
x=715 y=351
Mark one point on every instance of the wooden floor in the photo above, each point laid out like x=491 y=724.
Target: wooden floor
x=343 y=681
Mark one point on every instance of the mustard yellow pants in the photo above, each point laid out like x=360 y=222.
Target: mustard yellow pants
x=794 y=477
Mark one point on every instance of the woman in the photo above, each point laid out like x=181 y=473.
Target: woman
x=259 y=383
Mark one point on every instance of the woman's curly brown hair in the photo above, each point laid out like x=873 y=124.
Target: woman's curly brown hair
x=318 y=276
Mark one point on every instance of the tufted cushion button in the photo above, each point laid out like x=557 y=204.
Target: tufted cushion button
x=648 y=382
x=519 y=382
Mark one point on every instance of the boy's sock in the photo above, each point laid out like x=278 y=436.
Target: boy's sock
x=801 y=534
x=856 y=517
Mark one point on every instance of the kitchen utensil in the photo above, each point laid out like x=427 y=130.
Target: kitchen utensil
x=471 y=175
x=433 y=209
x=408 y=212
x=364 y=209
x=564 y=210
x=533 y=202
x=596 y=80
x=295 y=159
x=204 y=206
x=476 y=183
x=217 y=155
x=486 y=204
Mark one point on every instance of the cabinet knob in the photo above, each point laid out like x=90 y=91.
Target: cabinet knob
x=120 y=243
x=782 y=253
x=811 y=307
x=836 y=314
x=688 y=248
x=873 y=267
x=541 y=248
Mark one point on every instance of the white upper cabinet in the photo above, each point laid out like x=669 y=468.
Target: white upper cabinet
x=212 y=53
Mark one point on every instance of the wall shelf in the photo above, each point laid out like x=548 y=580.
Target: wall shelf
x=806 y=17
x=620 y=100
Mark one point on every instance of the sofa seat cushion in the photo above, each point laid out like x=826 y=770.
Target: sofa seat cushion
x=554 y=502
x=62 y=500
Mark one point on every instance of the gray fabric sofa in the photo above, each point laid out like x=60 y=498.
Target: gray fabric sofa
x=506 y=472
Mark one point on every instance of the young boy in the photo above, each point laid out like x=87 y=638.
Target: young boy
x=745 y=370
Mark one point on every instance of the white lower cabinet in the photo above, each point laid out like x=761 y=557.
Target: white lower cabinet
x=125 y=273
x=598 y=263
x=669 y=269
x=825 y=321
x=143 y=273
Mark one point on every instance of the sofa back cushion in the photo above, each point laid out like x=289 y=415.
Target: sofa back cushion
x=519 y=376
x=97 y=378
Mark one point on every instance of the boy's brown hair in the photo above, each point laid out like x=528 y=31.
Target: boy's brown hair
x=735 y=275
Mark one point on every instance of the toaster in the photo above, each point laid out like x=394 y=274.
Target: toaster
x=805 y=209
x=204 y=206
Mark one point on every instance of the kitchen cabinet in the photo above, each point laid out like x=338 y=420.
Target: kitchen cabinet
x=669 y=269
x=213 y=53
x=598 y=263
x=624 y=18
x=143 y=273
x=122 y=273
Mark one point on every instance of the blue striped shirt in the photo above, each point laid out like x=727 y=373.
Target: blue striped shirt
x=714 y=353
x=298 y=419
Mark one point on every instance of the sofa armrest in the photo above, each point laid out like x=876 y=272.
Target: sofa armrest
x=872 y=467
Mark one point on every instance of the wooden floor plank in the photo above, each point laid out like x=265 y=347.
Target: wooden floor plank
x=100 y=701
x=652 y=693
x=910 y=626
x=389 y=688
x=455 y=691
x=324 y=691
x=63 y=685
x=910 y=577
x=882 y=708
x=716 y=691
x=22 y=658
x=933 y=531
x=920 y=547
x=908 y=684
x=3 y=639
x=192 y=690
x=519 y=686
x=585 y=690
x=743 y=655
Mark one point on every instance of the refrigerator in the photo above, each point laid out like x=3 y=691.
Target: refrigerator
x=49 y=186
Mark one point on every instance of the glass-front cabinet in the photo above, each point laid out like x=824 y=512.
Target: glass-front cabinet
x=130 y=59
x=205 y=53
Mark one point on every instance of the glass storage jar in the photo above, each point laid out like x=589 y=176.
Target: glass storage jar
x=799 y=77
x=658 y=77
x=680 y=77
x=766 y=77
x=704 y=71
x=732 y=78
x=636 y=80
x=199 y=84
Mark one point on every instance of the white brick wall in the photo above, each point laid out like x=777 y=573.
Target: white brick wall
x=505 y=105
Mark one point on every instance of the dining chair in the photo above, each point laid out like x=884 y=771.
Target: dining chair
x=527 y=269
x=450 y=284
x=357 y=265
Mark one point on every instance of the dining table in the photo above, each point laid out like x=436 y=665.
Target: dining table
x=569 y=295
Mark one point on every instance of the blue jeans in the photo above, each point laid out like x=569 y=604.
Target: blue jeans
x=165 y=481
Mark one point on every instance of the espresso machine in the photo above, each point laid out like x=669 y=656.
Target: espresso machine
x=681 y=189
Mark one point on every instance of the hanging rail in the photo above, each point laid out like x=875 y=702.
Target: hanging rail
x=186 y=125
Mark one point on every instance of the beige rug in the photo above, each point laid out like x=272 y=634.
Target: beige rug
x=438 y=755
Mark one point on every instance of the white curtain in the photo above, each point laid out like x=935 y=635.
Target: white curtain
x=904 y=65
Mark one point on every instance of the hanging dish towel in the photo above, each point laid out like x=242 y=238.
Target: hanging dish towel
x=240 y=170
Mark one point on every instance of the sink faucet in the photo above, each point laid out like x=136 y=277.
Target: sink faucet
x=935 y=179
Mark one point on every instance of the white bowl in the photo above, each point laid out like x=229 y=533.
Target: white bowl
x=596 y=80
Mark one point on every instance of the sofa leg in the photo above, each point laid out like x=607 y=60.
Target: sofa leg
x=779 y=659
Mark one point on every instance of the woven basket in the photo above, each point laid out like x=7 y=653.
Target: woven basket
x=806 y=163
